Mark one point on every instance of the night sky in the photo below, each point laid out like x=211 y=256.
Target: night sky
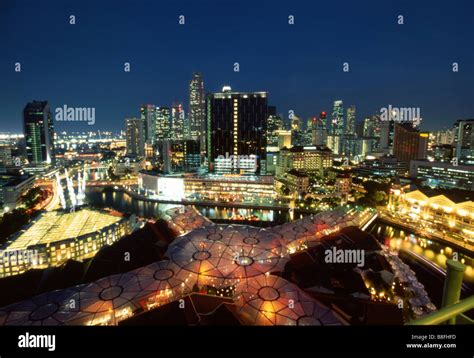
x=300 y=66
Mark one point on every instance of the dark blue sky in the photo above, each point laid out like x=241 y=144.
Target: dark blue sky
x=300 y=65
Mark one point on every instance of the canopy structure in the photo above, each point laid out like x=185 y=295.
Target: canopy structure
x=270 y=300
x=185 y=219
x=222 y=255
x=162 y=282
x=48 y=309
x=239 y=260
x=106 y=301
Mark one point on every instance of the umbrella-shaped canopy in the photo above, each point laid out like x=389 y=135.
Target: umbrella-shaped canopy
x=162 y=282
x=186 y=219
x=224 y=254
x=203 y=258
x=272 y=300
x=48 y=309
x=106 y=301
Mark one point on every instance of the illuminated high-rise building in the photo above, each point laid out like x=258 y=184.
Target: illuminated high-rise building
x=148 y=116
x=351 y=120
x=274 y=124
x=178 y=122
x=409 y=143
x=319 y=131
x=337 y=118
x=39 y=133
x=197 y=109
x=135 y=136
x=464 y=141
x=163 y=123
x=236 y=128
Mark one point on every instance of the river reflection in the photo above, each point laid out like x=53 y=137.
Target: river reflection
x=121 y=201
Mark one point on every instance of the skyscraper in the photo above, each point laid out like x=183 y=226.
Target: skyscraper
x=320 y=133
x=337 y=118
x=135 y=136
x=351 y=120
x=148 y=116
x=386 y=136
x=237 y=124
x=409 y=143
x=163 y=123
x=197 y=108
x=39 y=133
x=464 y=141
x=178 y=123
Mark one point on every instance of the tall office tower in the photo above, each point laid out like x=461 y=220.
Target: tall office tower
x=367 y=127
x=444 y=136
x=135 y=136
x=236 y=123
x=372 y=126
x=386 y=136
x=178 y=122
x=464 y=141
x=337 y=119
x=351 y=120
x=320 y=134
x=197 y=108
x=148 y=116
x=409 y=143
x=274 y=124
x=163 y=123
x=39 y=133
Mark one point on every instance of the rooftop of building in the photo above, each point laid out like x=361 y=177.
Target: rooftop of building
x=59 y=225
x=13 y=180
x=456 y=196
x=297 y=173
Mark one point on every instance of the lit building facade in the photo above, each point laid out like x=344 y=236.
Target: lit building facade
x=409 y=143
x=315 y=160
x=219 y=188
x=197 y=108
x=135 y=136
x=296 y=182
x=237 y=127
x=55 y=237
x=351 y=120
x=148 y=117
x=443 y=175
x=464 y=141
x=439 y=210
x=179 y=127
x=39 y=133
x=163 y=123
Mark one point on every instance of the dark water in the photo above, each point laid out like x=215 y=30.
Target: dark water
x=406 y=243
x=97 y=197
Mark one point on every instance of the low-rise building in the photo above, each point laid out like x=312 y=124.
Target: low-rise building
x=296 y=182
x=444 y=211
x=12 y=188
x=443 y=175
x=310 y=160
x=57 y=236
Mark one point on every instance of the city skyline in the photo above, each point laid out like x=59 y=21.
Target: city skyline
x=214 y=164
x=297 y=75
